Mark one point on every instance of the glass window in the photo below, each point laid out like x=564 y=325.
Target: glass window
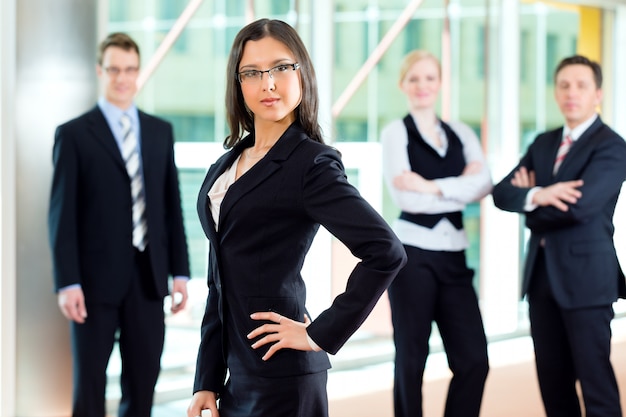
x=351 y=130
x=413 y=38
x=549 y=29
x=117 y=10
x=170 y=11
x=481 y=36
x=192 y=127
x=190 y=182
x=552 y=55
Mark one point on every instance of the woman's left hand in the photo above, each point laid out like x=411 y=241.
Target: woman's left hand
x=283 y=333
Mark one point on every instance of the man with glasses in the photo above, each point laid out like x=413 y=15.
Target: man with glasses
x=116 y=233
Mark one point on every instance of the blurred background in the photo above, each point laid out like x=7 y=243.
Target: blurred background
x=498 y=60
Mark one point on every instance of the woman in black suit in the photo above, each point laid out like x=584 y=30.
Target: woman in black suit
x=261 y=205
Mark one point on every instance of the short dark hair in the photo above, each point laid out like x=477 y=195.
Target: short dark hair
x=239 y=117
x=581 y=60
x=118 y=39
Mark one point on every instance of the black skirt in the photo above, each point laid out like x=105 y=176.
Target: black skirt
x=296 y=396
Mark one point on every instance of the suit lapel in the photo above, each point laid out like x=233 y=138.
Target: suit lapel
x=147 y=130
x=545 y=155
x=263 y=169
x=579 y=146
x=102 y=133
x=259 y=173
x=204 y=209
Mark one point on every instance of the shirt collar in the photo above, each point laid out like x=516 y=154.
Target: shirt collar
x=576 y=132
x=113 y=113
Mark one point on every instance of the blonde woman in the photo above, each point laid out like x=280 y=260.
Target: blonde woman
x=432 y=170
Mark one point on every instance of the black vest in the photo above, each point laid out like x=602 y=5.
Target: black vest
x=429 y=164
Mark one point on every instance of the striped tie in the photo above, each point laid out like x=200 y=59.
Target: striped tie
x=130 y=153
x=566 y=143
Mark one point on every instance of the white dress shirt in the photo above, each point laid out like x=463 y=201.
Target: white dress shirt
x=456 y=192
x=574 y=133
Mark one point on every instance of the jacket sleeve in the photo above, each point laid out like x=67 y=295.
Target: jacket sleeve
x=62 y=212
x=330 y=200
x=603 y=175
x=508 y=197
x=210 y=365
x=179 y=257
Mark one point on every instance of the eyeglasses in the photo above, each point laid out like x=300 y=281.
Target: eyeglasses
x=279 y=72
x=115 y=71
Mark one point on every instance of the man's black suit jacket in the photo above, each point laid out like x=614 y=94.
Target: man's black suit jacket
x=90 y=214
x=579 y=250
x=268 y=220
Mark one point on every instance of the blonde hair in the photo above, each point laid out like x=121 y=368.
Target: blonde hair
x=415 y=56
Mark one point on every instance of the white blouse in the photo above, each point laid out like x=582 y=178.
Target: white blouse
x=218 y=190
x=456 y=192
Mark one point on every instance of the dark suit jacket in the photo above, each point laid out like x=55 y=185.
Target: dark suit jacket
x=580 y=255
x=90 y=216
x=268 y=220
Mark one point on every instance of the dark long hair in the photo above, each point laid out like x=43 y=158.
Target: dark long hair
x=240 y=120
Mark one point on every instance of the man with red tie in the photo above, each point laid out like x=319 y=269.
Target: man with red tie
x=567 y=185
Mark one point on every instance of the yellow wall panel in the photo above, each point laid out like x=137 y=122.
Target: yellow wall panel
x=590 y=33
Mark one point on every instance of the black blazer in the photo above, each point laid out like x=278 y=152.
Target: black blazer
x=268 y=219
x=90 y=215
x=579 y=249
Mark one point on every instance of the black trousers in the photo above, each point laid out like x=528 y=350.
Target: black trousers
x=436 y=286
x=139 y=322
x=571 y=345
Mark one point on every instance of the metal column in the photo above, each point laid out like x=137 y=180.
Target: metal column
x=55 y=55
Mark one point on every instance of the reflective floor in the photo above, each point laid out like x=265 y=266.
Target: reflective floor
x=366 y=391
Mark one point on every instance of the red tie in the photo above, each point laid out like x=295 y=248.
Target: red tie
x=566 y=143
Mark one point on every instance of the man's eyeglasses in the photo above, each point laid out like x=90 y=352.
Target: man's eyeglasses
x=278 y=72
x=115 y=71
